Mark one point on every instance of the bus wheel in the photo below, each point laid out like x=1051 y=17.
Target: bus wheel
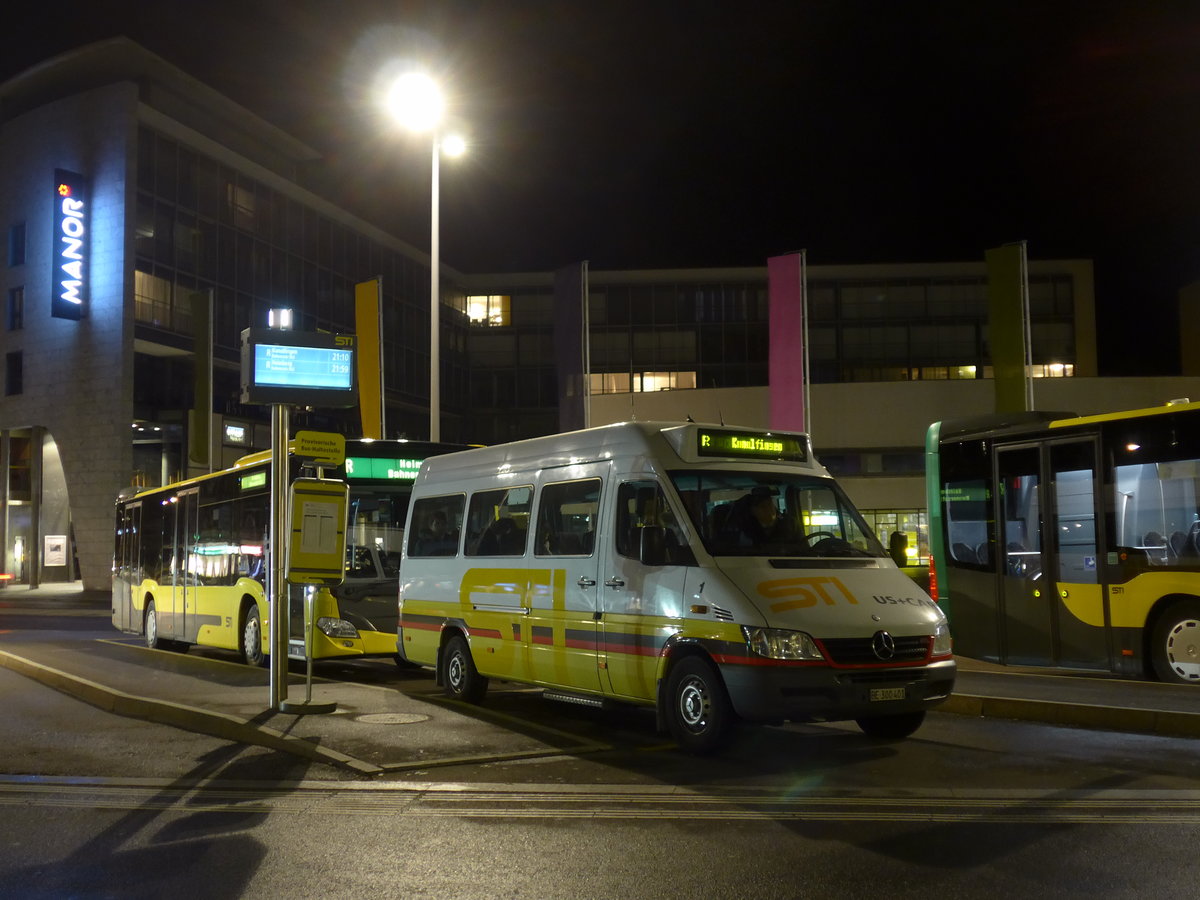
x=891 y=728
x=460 y=679
x=1175 y=647
x=699 y=713
x=252 y=652
x=153 y=641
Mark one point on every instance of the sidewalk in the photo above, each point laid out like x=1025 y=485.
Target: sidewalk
x=379 y=729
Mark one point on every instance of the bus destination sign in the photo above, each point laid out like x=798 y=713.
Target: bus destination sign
x=750 y=445
x=364 y=467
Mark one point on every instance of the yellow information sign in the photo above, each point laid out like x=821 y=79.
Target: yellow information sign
x=323 y=447
x=316 y=547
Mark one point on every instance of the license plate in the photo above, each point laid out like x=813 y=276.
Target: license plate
x=887 y=694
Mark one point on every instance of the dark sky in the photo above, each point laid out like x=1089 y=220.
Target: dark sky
x=648 y=134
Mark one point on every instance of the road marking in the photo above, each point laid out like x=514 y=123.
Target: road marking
x=614 y=802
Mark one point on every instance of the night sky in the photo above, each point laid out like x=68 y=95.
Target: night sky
x=672 y=134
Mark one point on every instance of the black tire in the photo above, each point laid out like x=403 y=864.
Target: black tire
x=891 y=728
x=1175 y=644
x=460 y=679
x=150 y=629
x=699 y=715
x=250 y=640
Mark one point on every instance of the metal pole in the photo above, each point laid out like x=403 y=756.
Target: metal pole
x=435 y=374
x=276 y=583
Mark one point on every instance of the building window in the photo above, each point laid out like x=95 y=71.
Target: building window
x=14 y=374
x=16 y=308
x=151 y=299
x=491 y=309
x=16 y=244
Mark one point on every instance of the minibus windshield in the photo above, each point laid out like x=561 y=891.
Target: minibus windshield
x=739 y=513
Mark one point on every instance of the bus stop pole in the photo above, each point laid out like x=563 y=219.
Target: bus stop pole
x=277 y=594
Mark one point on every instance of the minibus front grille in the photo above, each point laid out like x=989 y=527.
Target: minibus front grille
x=861 y=651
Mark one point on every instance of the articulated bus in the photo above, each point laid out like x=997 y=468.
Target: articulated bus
x=189 y=565
x=1071 y=542
x=713 y=574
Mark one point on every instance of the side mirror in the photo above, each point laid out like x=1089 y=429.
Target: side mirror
x=653 y=548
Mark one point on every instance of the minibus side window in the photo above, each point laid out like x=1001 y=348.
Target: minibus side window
x=641 y=504
x=498 y=521
x=436 y=523
x=567 y=518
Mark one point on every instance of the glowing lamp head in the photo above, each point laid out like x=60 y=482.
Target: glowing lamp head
x=415 y=101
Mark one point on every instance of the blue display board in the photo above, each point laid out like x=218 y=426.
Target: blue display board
x=300 y=368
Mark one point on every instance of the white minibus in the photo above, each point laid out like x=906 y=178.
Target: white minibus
x=716 y=574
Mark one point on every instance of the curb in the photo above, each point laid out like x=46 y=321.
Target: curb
x=1164 y=723
x=190 y=718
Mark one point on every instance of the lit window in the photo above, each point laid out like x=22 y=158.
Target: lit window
x=489 y=309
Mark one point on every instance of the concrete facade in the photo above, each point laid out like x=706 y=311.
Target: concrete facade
x=78 y=375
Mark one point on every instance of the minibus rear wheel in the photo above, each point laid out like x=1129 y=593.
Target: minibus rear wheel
x=699 y=714
x=460 y=679
x=891 y=728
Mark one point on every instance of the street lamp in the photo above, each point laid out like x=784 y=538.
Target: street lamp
x=416 y=102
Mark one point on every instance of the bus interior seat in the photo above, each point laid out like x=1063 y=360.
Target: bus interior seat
x=1154 y=539
x=963 y=553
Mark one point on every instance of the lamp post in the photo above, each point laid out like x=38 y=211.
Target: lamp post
x=416 y=102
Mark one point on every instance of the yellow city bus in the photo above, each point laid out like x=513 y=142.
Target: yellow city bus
x=190 y=558
x=1071 y=541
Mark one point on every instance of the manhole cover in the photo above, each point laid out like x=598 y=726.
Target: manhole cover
x=392 y=718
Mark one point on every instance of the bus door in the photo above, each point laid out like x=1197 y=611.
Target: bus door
x=129 y=553
x=562 y=625
x=1051 y=604
x=1024 y=605
x=635 y=599
x=1081 y=614
x=183 y=593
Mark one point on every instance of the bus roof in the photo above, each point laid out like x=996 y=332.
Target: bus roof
x=673 y=440
x=1018 y=423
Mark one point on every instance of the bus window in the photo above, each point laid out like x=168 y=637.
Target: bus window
x=498 y=521
x=436 y=523
x=567 y=518
x=967 y=505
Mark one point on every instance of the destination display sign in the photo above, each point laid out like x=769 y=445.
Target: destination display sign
x=729 y=444
x=364 y=467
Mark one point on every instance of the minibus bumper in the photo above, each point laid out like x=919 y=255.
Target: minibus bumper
x=772 y=693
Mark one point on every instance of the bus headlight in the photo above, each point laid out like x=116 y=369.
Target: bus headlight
x=776 y=643
x=942 y=644
x=336 y=628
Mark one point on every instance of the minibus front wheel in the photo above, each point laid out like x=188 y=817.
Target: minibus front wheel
x=699 y=714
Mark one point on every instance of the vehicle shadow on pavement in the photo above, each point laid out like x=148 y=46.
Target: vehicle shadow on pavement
x=152 y=851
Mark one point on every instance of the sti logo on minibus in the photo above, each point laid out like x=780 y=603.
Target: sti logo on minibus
x=69 y=276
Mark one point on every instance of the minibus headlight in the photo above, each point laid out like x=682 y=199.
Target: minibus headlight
x=336 y=628
x=776 y=643
x=942 y=644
